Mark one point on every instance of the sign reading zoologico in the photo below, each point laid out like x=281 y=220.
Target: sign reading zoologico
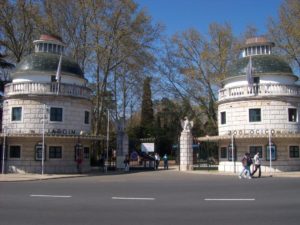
x=255 y=132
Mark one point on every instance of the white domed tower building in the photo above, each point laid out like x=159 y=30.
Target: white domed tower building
x=258 y=107
x=47 y=113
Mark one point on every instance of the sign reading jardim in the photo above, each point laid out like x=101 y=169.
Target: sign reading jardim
x=63 y=131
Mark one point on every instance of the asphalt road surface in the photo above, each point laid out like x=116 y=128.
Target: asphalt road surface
x=148 y=198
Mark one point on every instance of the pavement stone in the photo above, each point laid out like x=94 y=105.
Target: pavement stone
x=14 y=177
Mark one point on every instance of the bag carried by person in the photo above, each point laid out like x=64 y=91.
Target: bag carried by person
x=249 y=161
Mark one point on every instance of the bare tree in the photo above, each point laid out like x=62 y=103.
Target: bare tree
x=17 y=26
x=193 y=65
x=285 y=31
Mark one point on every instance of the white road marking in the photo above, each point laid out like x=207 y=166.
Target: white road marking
x=52 y=196
x=132 y=198
x=229 y=199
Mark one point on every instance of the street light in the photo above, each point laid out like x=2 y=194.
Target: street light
x=270 y=142
x=3 y=148
x=232 y=151
x=107 y=140
x=232 y=141
x=43 y=147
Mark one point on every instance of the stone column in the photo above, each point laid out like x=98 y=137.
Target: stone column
x=122 y=144
x=186 y=151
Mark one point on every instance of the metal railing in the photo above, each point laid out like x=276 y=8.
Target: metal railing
x=54 y=88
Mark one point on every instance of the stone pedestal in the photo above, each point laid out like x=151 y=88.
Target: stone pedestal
x=186 y=151
x=122 y=150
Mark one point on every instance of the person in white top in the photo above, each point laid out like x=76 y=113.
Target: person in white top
x=256 y=165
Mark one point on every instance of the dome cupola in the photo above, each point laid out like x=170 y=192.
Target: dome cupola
x=263 y=61
x=45 y=60
x=49 y=43
x=257 y=46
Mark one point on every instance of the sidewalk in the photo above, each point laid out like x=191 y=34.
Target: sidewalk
x=13 y=177
x=215 y=172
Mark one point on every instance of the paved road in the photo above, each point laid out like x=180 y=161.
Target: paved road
x=156 y=197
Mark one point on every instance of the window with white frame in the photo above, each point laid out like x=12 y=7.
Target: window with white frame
x=56 y=114
x=292 y=114
x=15 y=152
x=86 y=117
x=254 y=115
x=16 y=114
x=294 y=151
x=55 y=152
x=255 y=149
x=223 y=117
x=86 y=152
x=223 y=152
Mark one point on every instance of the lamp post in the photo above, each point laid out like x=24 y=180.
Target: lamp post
x=43 y=138
x=270 y=142
x=232 y=141
x=107 y=140
x=232 y=152
x=43 y=144
x=3 y=148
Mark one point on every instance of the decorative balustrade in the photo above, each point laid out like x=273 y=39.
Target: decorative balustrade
x=259 y=90
x=47 y=89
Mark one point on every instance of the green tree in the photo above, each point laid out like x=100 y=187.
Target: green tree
x=147 y=115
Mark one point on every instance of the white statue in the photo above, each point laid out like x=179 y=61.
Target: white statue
x=186 y=124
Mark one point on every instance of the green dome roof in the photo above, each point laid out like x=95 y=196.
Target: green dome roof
x=48 y=62
x=261 y=64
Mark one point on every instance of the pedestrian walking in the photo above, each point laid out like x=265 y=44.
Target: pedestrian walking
x=166 y=164
x=126 y=163
x=157 y=160
x=256 y=165
x=246 y=162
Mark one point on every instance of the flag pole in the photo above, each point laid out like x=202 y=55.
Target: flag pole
x=58 y=74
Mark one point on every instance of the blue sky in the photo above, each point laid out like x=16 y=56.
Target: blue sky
x=179 y=15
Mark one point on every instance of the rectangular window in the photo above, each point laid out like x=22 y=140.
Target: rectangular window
x=292 y=114
x=39 y=152
x=86 y=152
x=294 y=151
x=53 y=78
x=255 y=149
x=223 y=117
x=223 y=152
x=230 y=152
x=55 y=152
x=44 y=47
x=254 y=115
x=16 y=114
x=50 y=48
x=56 y=114
x=15 y=152
x=273 y=152
x=86 y=117
x=256 y=80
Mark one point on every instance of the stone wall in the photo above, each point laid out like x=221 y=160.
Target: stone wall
x=274 y=116
x=28 y=164
x=33 y=113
